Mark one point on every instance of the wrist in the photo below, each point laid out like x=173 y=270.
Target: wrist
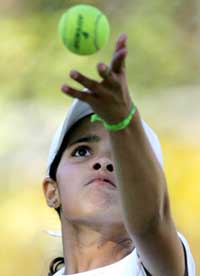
x=117 y=126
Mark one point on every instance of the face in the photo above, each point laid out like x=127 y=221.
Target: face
x=86 y=177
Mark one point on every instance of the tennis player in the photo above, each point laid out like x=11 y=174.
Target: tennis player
x=105 y=179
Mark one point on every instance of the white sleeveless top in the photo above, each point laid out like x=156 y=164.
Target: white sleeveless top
x=131 y=265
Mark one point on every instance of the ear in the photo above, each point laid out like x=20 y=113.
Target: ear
x=51 y=193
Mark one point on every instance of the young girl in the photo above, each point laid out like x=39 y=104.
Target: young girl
x=105 y=180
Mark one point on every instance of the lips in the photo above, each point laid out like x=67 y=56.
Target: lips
x=101 y=179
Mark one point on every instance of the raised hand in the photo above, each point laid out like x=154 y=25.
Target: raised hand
x=110 y=97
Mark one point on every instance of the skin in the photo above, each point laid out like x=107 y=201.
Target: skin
x=92 y=228
x=141 y=201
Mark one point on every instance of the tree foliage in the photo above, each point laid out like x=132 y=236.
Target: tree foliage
x=34 y=63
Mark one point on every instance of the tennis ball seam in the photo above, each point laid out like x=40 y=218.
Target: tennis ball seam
x=65 y=39
x=96 y=34
x=63 y=34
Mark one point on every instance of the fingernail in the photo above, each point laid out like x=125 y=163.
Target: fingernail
x=102 y=67
x=74 y=74
x=64 y=88
x=122 y=38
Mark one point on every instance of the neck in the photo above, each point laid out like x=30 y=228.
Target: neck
x=86 y=247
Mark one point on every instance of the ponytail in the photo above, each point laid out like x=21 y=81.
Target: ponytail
x=55 y=265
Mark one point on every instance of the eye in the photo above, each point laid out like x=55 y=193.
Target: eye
x=81 y=151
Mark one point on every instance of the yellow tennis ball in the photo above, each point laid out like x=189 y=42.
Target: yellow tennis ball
x=84 y=29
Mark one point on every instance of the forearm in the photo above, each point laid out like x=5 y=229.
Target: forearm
x=141 y=181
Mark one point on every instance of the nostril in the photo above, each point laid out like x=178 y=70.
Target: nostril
x=110 y=167
x=97 y=166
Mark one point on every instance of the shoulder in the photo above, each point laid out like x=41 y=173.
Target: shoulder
x=189 y=261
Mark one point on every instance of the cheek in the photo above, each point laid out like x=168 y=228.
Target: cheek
x=69 y=183
x=67 y=178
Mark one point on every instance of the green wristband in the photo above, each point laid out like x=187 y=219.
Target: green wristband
x=115 y=127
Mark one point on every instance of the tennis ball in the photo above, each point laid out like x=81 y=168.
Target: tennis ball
x=84 y=29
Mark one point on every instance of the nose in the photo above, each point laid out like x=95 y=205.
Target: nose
x=103 y=164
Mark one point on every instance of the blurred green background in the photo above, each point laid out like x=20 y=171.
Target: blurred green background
x=163 y=70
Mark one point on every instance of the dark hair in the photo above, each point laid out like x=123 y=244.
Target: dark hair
x=56 y=161
x=55 y=265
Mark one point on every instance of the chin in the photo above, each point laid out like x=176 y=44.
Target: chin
x=101 y=215
x=102 y=200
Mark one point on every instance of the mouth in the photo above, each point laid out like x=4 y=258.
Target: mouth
x=102 y=180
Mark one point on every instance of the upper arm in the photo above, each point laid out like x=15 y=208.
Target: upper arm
x=161 y=251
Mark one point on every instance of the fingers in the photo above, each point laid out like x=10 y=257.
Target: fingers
x=90 y=84
x=106 y=73
x=118 y=61
x=119 y=55
x=121 y=42
x=74 y=93
x=83 y=80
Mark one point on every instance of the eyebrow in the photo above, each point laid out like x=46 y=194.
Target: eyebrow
x=87 y=139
